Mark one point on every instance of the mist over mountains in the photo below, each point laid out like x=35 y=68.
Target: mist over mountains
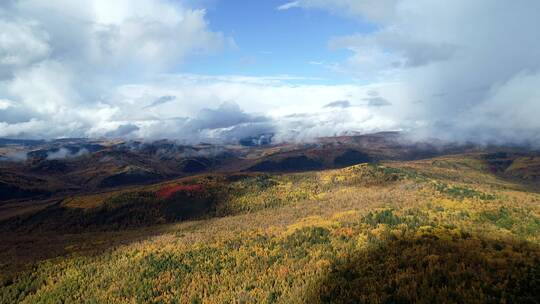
x=472 y=75
x=269 y=151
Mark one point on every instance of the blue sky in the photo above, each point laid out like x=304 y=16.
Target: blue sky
x=220 y=70
x=277 y=42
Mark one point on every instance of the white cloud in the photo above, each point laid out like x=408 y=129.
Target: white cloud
x=289 y=5
x=63 y=153
x=469 y=68
x=60 y=60
x=46 y=87
x=150 y=33
x=455 y=71
x=374 y=10
x=22 y=42
x=4 y=104
x=194 y=108
x=224 y=108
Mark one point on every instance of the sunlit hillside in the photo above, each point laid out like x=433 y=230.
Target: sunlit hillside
x=448 y=229
x=269 y=151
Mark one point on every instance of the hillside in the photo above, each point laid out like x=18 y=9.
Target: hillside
x=283 y=151
x=457 y=228
x=54 y=169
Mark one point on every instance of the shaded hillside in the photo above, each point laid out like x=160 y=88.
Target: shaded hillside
x=11 y=191
x=293 y=163
x=124 y=211
x=350 y=158
x=195 y=165
x=204 y=196
x=523 y=167
x=85 y=166
x=434 y=268
x=445 y=229
x=14 y=185
x=130 y=176
x=310 y=159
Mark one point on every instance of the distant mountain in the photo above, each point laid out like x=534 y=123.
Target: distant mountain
x=86 y=165
x=255 y=141
x=20 y=142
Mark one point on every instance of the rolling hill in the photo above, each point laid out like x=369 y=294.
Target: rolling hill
x=345 y=220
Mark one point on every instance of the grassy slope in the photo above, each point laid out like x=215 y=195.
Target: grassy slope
x=413 y=231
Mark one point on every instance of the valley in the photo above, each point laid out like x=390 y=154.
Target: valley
x=389 y=223
x=269 y=152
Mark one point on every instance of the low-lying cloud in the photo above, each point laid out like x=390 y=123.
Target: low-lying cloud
x=60 y=60
x=462 y=71
x=64 y=153
x=14 y=156
x=469 y=69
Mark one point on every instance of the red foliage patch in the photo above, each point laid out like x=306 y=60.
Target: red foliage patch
x=169 y=191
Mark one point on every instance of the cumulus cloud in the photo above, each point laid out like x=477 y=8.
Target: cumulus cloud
x=206 y=108
x=455 y=71
x=332 y=122
x=390 y=49
x=473 y=65
x=4 y=104
x=338 y=104
x=122 y=131
x=22 y=42
x=227 y=123
x=58 y=81
x=113 y=74
x=112 y=34
x=233 y=107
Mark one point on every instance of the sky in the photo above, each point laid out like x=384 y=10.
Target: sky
x=222 y=70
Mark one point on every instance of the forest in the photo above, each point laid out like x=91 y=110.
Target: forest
x=438 y=230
